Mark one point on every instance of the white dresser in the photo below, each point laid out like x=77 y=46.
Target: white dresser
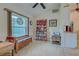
x=70 y=39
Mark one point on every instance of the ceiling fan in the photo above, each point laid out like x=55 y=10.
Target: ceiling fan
x=43 y=6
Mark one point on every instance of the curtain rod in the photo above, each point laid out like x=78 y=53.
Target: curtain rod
x=8 y=10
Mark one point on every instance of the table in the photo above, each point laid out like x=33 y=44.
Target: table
x=56 y=39
x=5 y=47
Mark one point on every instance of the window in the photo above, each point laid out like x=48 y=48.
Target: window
x=18 y=24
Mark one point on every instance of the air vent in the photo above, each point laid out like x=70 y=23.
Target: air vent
x=55 y=10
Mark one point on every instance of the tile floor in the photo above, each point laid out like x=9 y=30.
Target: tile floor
x=45 y=48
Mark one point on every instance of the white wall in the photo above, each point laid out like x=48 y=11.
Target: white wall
x=32 y=28
x=64 y=20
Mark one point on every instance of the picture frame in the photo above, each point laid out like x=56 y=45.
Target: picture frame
x=53 y=23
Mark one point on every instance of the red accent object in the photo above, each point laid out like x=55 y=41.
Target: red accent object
x=41 y=29
x=41 y=22
x=10 y=38
x=70 y=29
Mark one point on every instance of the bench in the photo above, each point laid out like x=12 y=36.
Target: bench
x=20 y=41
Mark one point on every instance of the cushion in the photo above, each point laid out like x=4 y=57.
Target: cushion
x=22 y=40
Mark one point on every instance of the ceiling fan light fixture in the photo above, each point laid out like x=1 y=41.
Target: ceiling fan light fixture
x=43 y=6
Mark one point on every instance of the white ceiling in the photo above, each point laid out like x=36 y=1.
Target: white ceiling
x=38 y=9
x=27 y=7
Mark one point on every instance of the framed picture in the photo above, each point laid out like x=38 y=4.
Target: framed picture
x=53 y=23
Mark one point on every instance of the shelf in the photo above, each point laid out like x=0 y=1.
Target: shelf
x=41 y=30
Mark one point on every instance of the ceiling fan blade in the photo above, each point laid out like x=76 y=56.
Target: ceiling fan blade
x=43 y=5
x=35 y=5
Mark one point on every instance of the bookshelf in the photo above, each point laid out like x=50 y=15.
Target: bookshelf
x=41 y=30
